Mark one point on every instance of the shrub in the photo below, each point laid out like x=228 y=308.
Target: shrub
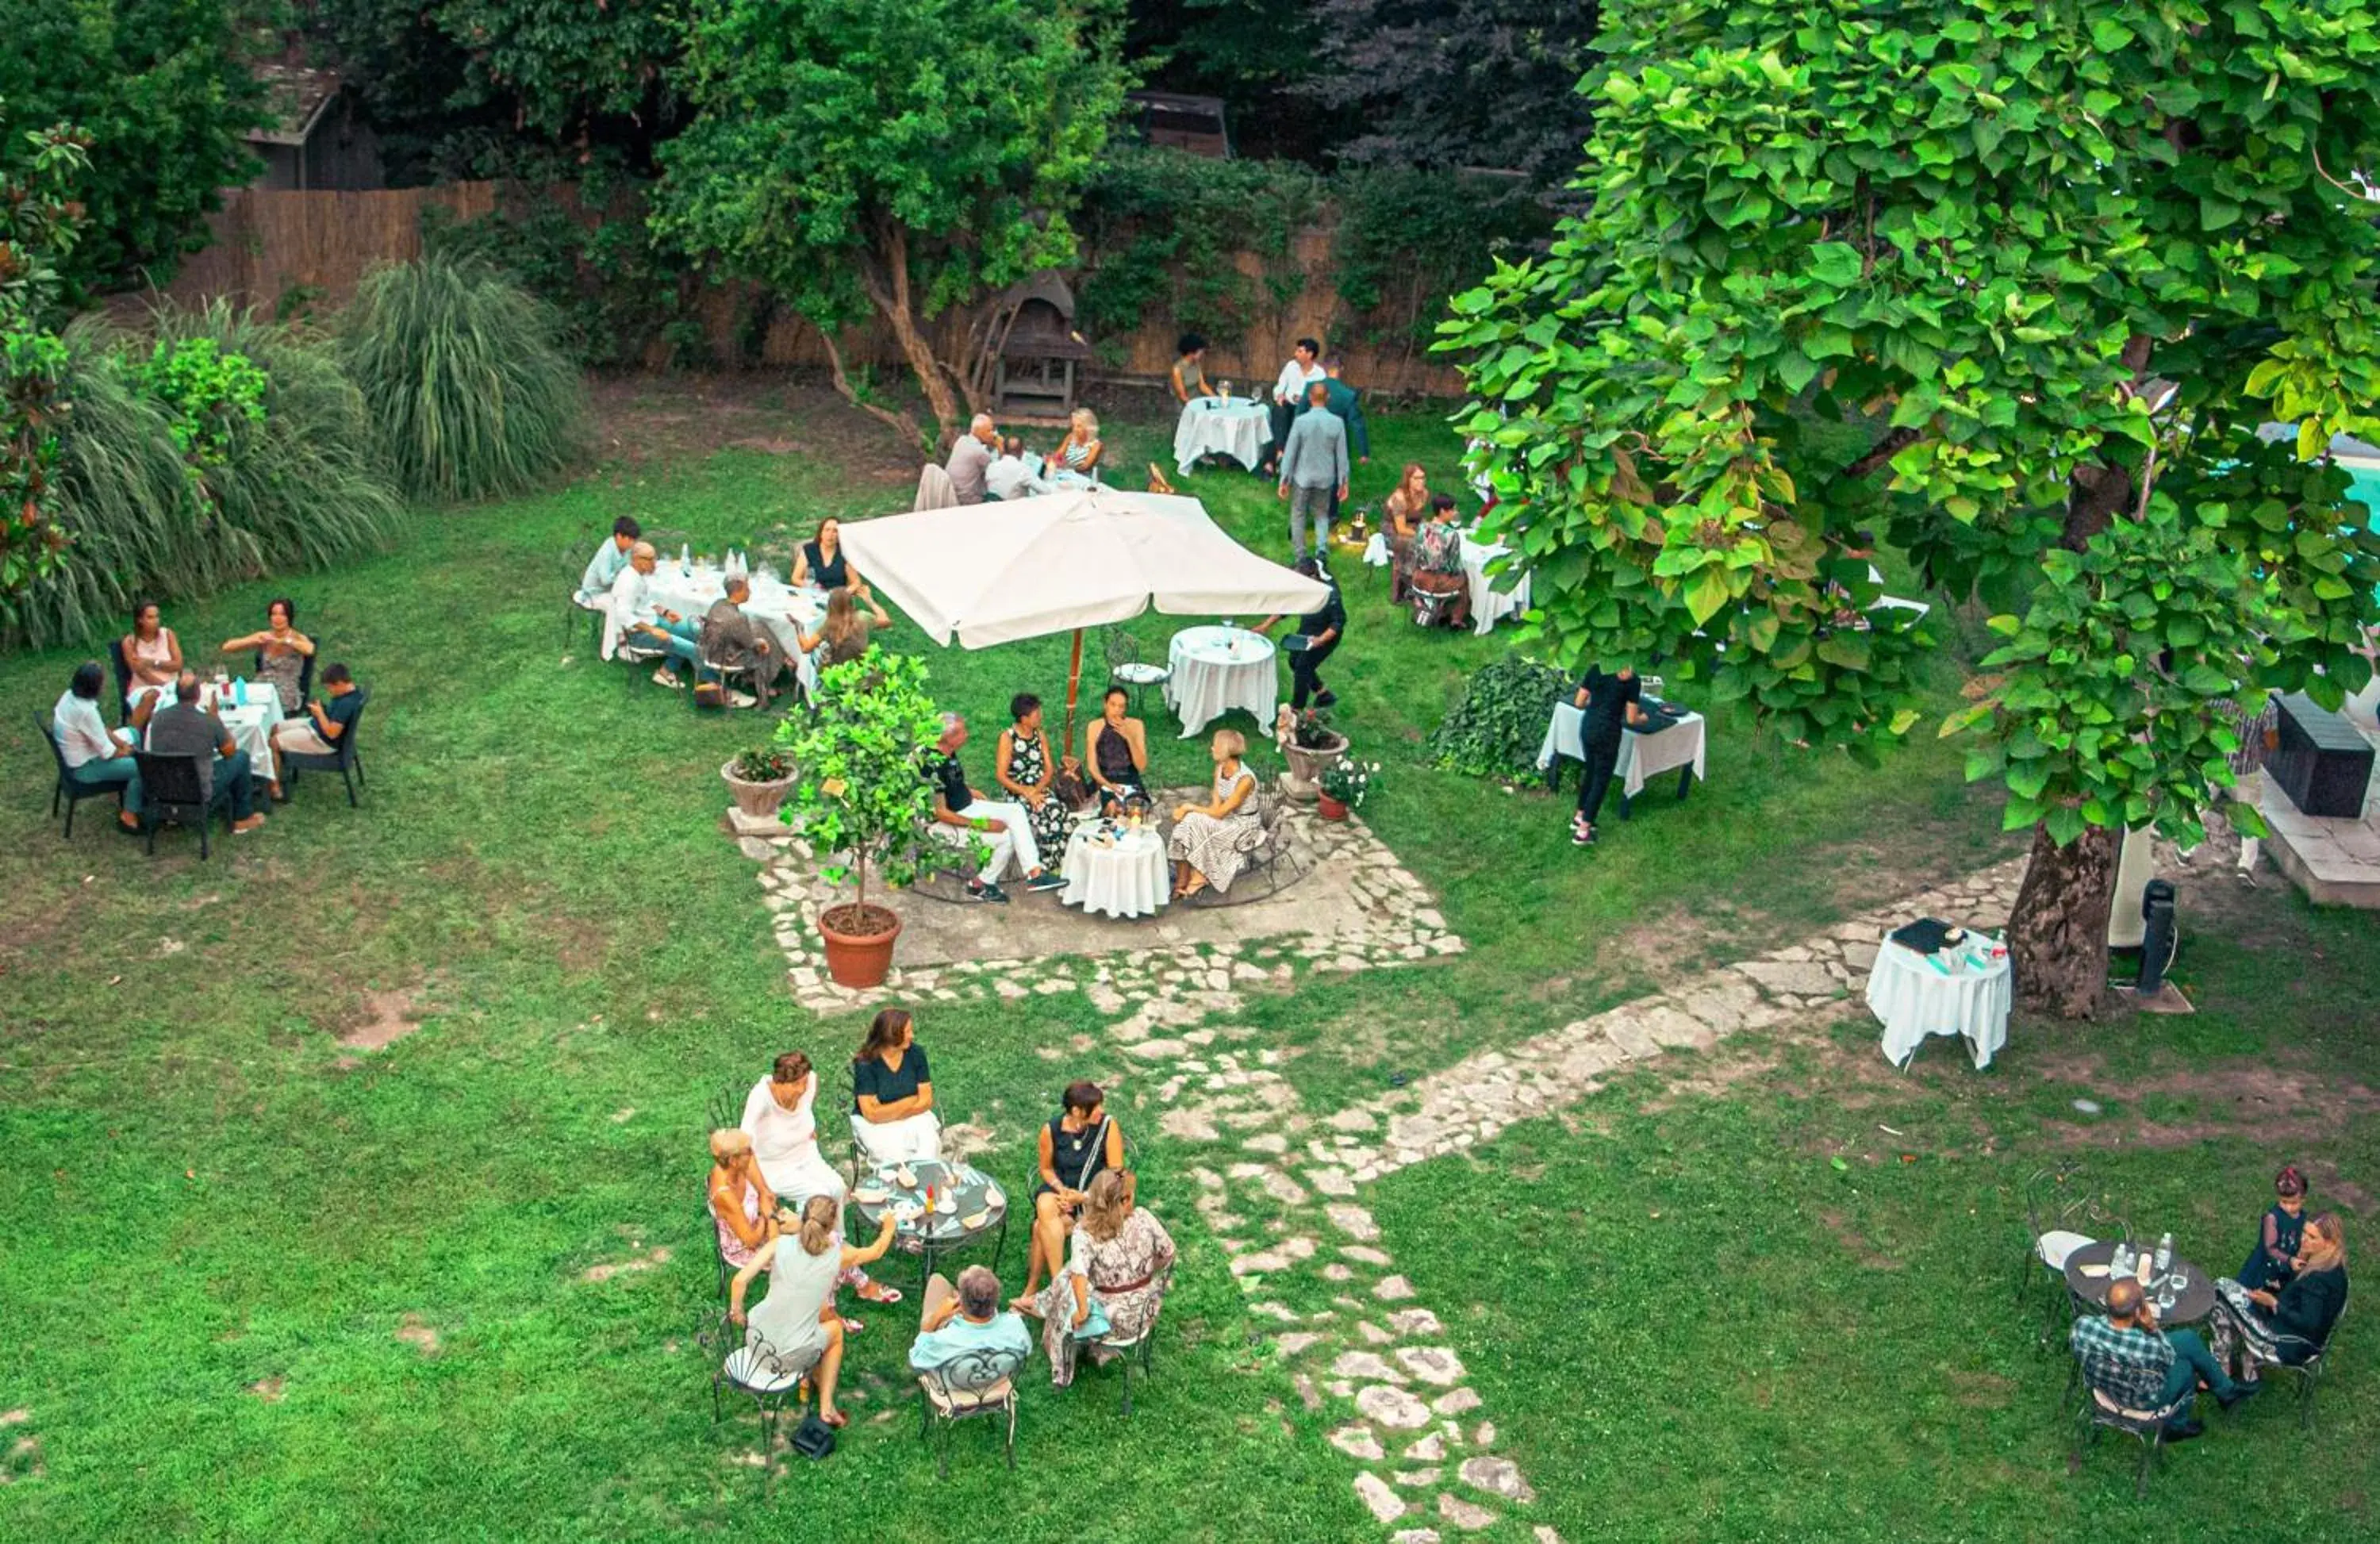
x=1498 y=727
x=464 y=377
x=1350 y=781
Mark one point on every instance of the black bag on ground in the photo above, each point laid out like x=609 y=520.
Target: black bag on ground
x=813 y=1437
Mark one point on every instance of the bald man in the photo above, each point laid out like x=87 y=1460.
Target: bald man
x=970 y=460
x=2128 y=1359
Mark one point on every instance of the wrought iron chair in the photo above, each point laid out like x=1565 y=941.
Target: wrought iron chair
x=67 y=788
x=345 y=757
x=172 y=791
x=123 y=671
x=1141 y=1348
x=1128 y=670
x=978 y=1382
x=2308 y=1372
x=752 y=1367
x=2102 y=1411
x=2046 y=1247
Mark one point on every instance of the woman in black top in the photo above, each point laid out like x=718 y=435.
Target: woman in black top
x=892 y=1094
x=2289 y=1326
x=1080 y=1143
x=1116 y=746
x=822 y=562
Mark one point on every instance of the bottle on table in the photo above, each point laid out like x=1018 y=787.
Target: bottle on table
x=2165 y=1254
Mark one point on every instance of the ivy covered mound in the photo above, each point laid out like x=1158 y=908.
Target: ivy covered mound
x=2056 y=265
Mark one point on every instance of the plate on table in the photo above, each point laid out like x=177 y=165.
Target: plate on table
x=976 y=1221
x=991 y=1196
x=2094 y=1271
x=869 y=1195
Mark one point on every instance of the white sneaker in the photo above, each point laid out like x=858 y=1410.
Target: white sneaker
x=665 y=676
x=742 y=700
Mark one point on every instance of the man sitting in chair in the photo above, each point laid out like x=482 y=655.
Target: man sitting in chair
x=639 y=621
x=2125 y=1356
x=187 y=729
x=968 y=1319
x=609 y=559
x=960 y=811
x=327 y=720
x=735 y=640
x=1437 y=561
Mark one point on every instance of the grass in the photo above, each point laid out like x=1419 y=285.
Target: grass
x=202 y=1191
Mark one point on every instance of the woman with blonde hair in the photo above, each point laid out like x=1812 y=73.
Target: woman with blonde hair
x=2288 y=1326
x=844 y=631
x=1114 y=1283
x=1212 y=841
x=796 y=1327
x=741 y=1202
x=1402 y=518
x=1075 y=461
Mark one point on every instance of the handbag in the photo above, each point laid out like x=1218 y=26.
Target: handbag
x=813 y=1437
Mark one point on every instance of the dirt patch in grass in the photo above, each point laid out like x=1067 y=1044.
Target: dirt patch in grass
x=384 y=1018
x=1857 y=1243
x=2270 y=1100
x=1982 y=1390
x=604 y=1273
x=269 y=1389
x=645 y=419
x=421 y=1336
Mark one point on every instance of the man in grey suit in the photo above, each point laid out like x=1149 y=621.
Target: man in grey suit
x=1314 y=470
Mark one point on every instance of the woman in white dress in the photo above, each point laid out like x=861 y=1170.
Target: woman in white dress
x=778 y=1113
x=892 y=1094
x=1212 y=841
x=796 y=1325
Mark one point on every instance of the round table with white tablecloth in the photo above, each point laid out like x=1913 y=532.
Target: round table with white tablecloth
x=1216 y=669
x=1115 y=871
x=782 y=609
x=1488 y=606
x=1962 y=990
x=250 y=726
x=1236 y=427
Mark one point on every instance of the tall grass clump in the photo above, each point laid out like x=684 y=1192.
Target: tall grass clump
x=465 y=378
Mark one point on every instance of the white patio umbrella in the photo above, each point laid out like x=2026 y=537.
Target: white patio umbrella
x=992 y=573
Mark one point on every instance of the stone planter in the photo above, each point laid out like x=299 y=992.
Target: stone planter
x=862 y=957
x=1303 y=780
x=1329 y=808
x=757 y=804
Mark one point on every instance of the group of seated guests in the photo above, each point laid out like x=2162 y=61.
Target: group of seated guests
x=1425 y=542
x=1025 y=832
x=618 y=577
x=2277 y=1312
x=984 y=464
x=161 y=712
x=776 y=1208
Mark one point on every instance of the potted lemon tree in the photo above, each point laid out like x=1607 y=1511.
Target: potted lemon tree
x=861 y=798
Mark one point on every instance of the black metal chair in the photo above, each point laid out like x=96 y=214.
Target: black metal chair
x=172 y=791
x=2102 y=1411
x=344 y=759
x=1141 y=1348
x=752 y=1367
x=1128 y=670
x=2308 y=1372
x=978 y=1382
x=123 y=669
x=74 y=793
x=2048 y=1239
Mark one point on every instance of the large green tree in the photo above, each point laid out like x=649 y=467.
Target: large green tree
x=2055 y=264
x=40 y=221
x=901 y=158
x=165 y=84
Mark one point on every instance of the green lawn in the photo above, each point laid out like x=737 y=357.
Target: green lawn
x=201 y=1191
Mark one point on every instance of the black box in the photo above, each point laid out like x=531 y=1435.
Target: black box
x=2322 y=763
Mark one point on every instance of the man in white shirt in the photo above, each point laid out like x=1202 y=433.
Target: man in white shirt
x=1304 y=369
x=1015 y=473
x=971 y=458
x=609 y=559
x=634 y=615
x=96 y=756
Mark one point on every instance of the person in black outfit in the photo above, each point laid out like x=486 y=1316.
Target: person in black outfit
x=1610 y=704
x=1079 y=1143
x=1325 y=627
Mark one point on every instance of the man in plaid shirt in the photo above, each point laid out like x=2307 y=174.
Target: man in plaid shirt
x=2125 y=1356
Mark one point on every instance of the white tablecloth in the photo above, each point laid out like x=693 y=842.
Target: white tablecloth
x=250 y=727
x=1240 y=431
x=1488 y=607
x=782 y=609
x=1216 y=669
x=1915 y=999
x=1127 y=879
x=1642 y=757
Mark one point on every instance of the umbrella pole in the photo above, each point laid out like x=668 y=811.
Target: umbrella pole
x=1073 y=689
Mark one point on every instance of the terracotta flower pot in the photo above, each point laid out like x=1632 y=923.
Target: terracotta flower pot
x=859 y=943
x=760 y=800
x=1329 y=809
x=1305 y=763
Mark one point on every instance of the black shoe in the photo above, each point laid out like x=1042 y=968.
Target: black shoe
x=978 y=891
x=2239 y=1392
x=1326 y=700
x=1046 y=880
x=2185 y=1431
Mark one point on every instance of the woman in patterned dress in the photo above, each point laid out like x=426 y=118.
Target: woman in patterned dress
x=1212 y=841
x=1074 y=464
x=1022 y=765
x=1123 y=1261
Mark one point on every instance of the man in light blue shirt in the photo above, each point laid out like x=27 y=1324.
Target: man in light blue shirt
x=609 y=559
x=1314 y=470
x=970 y=1320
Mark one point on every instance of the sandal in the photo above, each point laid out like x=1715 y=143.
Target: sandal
x=881 y=1293
x=852 y=1326
x=838 y=1420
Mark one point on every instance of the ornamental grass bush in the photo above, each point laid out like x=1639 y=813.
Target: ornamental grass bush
x=465 y=378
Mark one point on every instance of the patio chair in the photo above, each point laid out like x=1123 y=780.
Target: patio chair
x=752 y=1367
x=2102 y=1411
x=345 y=757
x=1430 y=607
x=978 y=1382
x=591 y=609
x=1141 y=1348
x=637 y=651
x=67 y=788
x=173 y=793
x=2046 y=1247
x=2308 y=1372
x=1128 y=670
x=123 y=669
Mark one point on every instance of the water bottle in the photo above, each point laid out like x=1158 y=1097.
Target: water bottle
x=2165 y=1254
x=240 y=691
x=685 y=557
x=2121 y=1264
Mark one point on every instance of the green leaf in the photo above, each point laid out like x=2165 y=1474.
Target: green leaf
x=1836 y=263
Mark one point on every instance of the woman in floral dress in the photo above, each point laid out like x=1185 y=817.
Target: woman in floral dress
x=1121 y=1263
x=1212 y=841
x=1022 y=766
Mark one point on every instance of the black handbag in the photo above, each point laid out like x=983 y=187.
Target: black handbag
x=813 y=1437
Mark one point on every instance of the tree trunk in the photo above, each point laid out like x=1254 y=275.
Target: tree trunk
x=889 y=290
x=2057 y=935
x=902 y=424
